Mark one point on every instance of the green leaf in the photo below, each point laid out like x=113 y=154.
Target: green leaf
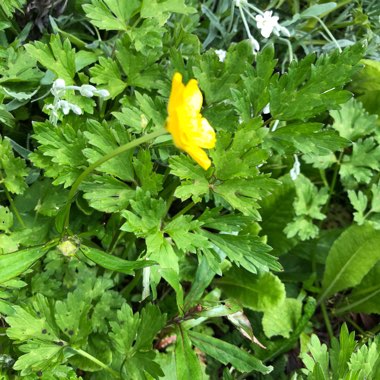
x=71 y=316
x=308 y=138
x=362 y=164
x=187 y=362
x=313 y=86
x=194 y=184
x=161 y=10
x=151 y=322
x=114 y=263
x=146 y=215
x=18 y=71
x=341 y=351
x=148 y=179
x=25 y=326
x=12 y=170
x=59 y=152
x=283 y=318
x=216 y=79
x=255 y=81
x=248 y=289
x=364 y=360
x=42 y=197
x=161 y=251
x=244 y=194
x=353 y=122
x=365 y=297
x=228 y=353
x=108 y=194
x=123 y=338
x=202 y=280
x=105 y=139
x=111 y=14
x=14 y=264
x=107 y=74
x=318 y=10
x=241 y=156
x=366 y=85
x=147 y=36
x=307 y=206
x=132 y=336
x=276 y=212
x=141 y=69
x=38 y=357
x=57 y=56
x=351 y=257
x=244 y=250
x=359 y=201
x=318 y=359
x=139 y=111
x=6 y=219
x=186 y=233
x=6 y=117
x=10 y=6
x=172 y=278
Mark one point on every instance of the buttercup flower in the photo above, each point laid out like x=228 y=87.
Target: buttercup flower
x=190 y=131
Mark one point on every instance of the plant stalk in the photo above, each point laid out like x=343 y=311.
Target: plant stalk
x=101 y=161
x=98 y=362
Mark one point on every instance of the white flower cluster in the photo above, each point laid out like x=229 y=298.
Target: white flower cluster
x=58 y=90
x=265 y=22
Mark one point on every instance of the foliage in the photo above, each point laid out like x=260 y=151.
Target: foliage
x=122 y=258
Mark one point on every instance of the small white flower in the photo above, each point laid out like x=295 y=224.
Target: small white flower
x=76 y=109
x=103 y=93
x=296 y=169
x=87 y=90
x=266 y=23
x=221 y=54
x=255 y=44
x=64 y=106
x=58 y=87
x=266 y=109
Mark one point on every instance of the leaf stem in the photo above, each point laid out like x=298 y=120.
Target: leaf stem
x=101 y=161
x=328 y=33
x=188 y=207
x=327 y=321
x=98 y=362
x=13 y=207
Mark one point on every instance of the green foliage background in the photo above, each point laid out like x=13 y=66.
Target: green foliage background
x=148 y=266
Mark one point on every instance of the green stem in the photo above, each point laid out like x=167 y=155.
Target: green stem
x=327 y=321
x=184 y=210
x=324 y=179
x=328 y=32
x=355 y=325
x=101 y=161
x=98 y=362
x=127 y=290
x=13 y=207
x=333 y=182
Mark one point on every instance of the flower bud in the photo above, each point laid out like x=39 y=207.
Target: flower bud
x=87 y=90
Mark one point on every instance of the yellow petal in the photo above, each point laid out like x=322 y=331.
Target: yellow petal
x=191 y=132
x=199 y=156
x=176 y=94
x=192 y=97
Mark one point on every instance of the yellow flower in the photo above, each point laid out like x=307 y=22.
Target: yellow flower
x=191 y=132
